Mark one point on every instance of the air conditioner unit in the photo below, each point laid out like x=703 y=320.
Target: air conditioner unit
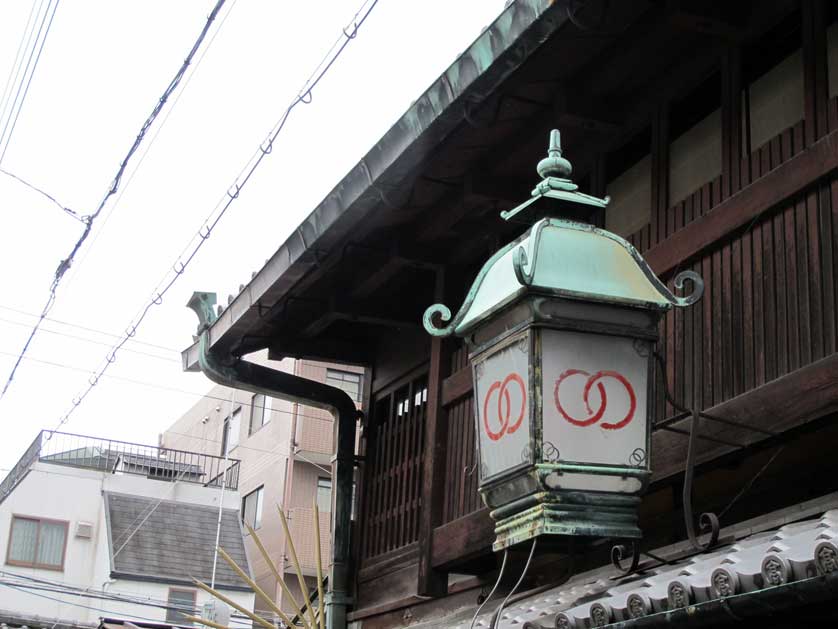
x=84 y=530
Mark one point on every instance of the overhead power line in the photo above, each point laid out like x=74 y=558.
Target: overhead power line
x=21 y=93
x=87 y=329
x=14 y=71
x=88 y=223
x=152 y=385
x=304 y=96
x=148 y=147
x=72 y=213
x=87 y=340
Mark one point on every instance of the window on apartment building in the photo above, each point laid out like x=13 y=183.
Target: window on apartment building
x=260 y=412
x=180 y=602
x=324 y=494
x=232 y=430
x=252 y=508
x=37 y=543
x=346 y=380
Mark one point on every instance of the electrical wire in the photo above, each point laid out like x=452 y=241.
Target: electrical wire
x=64 y=208
x=108 y=214
x=88 y=223
x=14 y=85
x=29 y=590
x=14 y=71
x=161 y=387
x=88 y=329
x=8 y=138
x=304 y=96
x=497 y=615
x=131 y=530
x=493 y=590
x=87 y=340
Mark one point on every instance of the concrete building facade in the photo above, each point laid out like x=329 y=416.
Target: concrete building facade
x=285 y=451
x=91 y=528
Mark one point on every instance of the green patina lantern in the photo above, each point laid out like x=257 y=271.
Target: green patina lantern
x=561 y=325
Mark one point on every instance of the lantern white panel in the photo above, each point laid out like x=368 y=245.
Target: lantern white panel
x=594 y=398
x=502 y=407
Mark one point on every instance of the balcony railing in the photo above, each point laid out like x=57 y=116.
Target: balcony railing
x=121 y=457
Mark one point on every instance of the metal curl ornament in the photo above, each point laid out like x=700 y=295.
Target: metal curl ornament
x=619 y=552
x=519 y=262
x=697 y=288
x=444 y=313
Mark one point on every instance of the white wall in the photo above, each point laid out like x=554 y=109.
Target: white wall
x=73 y=495
x=631 y=199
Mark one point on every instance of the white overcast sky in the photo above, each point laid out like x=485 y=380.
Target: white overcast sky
x=104 y=66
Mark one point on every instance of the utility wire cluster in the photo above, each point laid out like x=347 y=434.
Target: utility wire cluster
x=20 y=76
x=39 y=586
x=89 y=220
x=304 y=96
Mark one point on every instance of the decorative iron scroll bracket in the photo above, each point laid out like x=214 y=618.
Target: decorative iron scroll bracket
x=708 y=522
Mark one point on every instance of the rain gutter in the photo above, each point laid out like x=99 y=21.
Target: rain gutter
x=230 y=371
x=742 y=607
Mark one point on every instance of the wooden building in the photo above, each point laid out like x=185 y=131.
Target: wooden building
x=714 y=128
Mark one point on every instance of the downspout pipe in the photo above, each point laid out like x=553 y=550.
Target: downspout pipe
x=231 y=371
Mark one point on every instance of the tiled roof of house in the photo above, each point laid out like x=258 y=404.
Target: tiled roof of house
x=173 y=542
x=773 y=559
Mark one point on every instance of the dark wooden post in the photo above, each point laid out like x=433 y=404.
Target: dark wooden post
x=433 y=582
x=731 y=121
x=815 y=74
x=660 y=171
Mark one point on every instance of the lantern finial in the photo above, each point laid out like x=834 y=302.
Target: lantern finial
x=556 y=196
x=554 y=165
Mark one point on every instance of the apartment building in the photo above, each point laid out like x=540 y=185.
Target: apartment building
x=93 y=528
x=285 y=451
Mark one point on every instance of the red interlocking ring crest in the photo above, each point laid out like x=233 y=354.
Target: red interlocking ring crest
x=595 y=416
x=504 y=414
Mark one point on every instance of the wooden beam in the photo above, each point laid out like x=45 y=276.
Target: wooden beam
x=332 y=350
x=319 y=324
x=787 y=402
x=706 y=25
x=505 y=190
x=398 y=258
x=464 y=538
x=779 y=185
x=457 y=385
x=431 y=581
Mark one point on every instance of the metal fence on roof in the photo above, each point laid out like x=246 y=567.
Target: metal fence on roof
x=122 y=457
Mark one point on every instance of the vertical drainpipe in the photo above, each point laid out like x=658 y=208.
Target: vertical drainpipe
x=233 y=372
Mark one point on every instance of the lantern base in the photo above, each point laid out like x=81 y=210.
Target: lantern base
x=570 y=514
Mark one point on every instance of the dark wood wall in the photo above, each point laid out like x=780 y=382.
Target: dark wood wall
x=769 y=302
x=763 y=235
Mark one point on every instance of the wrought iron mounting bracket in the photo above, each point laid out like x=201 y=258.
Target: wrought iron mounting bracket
x=708 y=522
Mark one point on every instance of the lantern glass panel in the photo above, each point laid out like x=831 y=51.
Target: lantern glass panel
x=502 y=397
x=595 y=393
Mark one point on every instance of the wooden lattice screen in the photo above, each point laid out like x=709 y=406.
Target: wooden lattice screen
x=393 y=475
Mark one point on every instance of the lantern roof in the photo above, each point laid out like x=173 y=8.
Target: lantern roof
x=562 y=258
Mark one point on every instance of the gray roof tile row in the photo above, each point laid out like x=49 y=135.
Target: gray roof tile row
x=790 y=553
